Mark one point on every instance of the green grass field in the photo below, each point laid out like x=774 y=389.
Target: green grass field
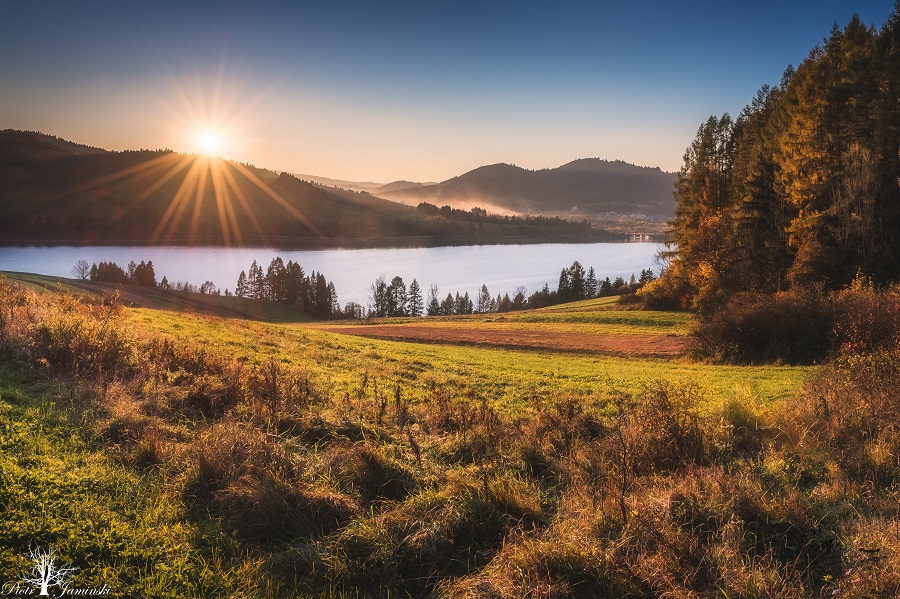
x=182 y=453
x=513 y=380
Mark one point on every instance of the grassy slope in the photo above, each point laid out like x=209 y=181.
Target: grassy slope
x=76 y=457
x=173 y=301
x=513 y=379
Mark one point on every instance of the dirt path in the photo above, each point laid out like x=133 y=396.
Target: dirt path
x=624 y=345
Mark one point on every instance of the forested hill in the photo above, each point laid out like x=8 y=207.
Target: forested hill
x=801 y=189
x=584 y=187
x=56 y=191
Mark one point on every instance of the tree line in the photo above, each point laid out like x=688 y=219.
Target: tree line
x=575 y=283
x=480 y=215
x=289 y=283
x=317 y=296
x=142 y=274
x=802 y=188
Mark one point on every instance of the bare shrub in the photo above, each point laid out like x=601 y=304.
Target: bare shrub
x=793 y=327
x=853 y=407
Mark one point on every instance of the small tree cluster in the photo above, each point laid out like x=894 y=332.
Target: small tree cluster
x=282 y=282
x=395 y=299
x=141 y=274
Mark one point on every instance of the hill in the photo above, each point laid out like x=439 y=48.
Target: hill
x=155 y=298
x=585 y=187
x=341 y=183
x=55 y=191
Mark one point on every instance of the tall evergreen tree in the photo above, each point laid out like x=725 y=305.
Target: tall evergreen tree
x=434 y=304
x=397 y=297
x=590 y=284
x=415 y=304
x=484 y=301
x=379 y=298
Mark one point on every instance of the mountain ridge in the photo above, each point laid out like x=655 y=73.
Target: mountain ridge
x=57 y=191
x=586 y=186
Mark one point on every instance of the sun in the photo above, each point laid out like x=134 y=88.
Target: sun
x=210 y=143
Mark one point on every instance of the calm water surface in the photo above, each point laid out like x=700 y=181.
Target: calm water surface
x=462 y=268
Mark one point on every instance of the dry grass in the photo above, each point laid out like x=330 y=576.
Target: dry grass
x=647 y=491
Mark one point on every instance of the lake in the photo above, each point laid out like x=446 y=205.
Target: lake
x=460 y=268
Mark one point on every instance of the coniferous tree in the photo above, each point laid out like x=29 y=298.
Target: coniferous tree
x=415 y=304
x=448 y=306
x=379 y=298
x=484 y=301
x=276 y=280
x=294 y=278
x=590 y=284
x=397 y=297
x=434 y=304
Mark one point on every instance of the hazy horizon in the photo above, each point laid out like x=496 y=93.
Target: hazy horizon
x=358 y=92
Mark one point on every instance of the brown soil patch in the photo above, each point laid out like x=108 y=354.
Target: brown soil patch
x=625 y=345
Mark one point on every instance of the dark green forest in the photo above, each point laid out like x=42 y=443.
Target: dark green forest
x=800 y=191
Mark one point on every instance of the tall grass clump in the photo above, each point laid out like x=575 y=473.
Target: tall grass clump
x=253 y=483
x=65 y=333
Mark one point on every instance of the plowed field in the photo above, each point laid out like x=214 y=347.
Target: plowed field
x=539 y=337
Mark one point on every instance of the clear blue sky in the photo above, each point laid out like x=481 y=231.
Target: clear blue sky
x=386 y=90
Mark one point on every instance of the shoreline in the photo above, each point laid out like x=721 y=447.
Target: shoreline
x=307 y=243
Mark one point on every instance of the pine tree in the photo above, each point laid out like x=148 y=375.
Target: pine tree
x=397 y=297
x=483 y=304
x=379 y=298
x=415 y=304
x=434 y=304
x=240 y=289
x=590 y=284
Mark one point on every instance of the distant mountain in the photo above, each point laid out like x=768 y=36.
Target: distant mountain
x=56 y=191
x=399 y=186
x=585 y=187
x=340 y=183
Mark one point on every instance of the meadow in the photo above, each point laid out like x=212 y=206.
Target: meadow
x=171 y=453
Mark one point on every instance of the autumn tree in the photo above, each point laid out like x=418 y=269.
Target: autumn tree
x=81 y=270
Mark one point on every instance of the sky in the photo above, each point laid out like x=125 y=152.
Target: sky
x=382 y=91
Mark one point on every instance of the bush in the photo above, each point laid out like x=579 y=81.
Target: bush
x=793 y=327
x=867 y=320
x=854 y=408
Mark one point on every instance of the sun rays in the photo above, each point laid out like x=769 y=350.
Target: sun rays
x=198 y=194
x=199 y=189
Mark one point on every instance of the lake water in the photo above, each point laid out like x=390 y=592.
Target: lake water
x=461 y=268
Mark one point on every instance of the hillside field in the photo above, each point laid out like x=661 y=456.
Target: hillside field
x=182 y=453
